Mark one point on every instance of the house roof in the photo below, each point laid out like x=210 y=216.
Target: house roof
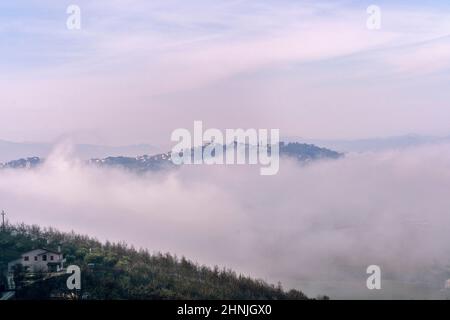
x=47 y=251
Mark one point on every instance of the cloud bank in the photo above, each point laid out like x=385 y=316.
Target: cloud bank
x=314 y=227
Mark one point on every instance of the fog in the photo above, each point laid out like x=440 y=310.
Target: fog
x=314 y=227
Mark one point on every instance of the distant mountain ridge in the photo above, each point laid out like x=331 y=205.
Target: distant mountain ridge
x=299 y=151
x=9 y=151
x=374 y=144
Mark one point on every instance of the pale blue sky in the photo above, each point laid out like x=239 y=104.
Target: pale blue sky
x=139 y=69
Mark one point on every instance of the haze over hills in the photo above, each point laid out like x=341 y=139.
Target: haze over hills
x=10 y=151
x=301 y=152
x=373 y=144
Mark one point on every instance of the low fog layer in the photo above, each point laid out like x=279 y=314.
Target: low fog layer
x=314 y=227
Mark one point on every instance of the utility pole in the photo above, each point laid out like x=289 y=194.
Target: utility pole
x=3 y=220
x=2 y=250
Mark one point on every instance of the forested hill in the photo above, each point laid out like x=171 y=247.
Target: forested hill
x=118 y=271
x=303 y=153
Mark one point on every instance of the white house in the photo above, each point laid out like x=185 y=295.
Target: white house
x=39 y=260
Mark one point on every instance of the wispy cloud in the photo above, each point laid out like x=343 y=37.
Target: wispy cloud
x=171 y=49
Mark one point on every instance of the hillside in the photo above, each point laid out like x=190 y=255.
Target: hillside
x=10 y=151
x=299 y=151
x=118 y=271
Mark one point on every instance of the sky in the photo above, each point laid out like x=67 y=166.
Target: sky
x=137 y=70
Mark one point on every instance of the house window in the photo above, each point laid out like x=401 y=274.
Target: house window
x=35 y=258
x=51 y=258
x=26 y=258
x=44 y=257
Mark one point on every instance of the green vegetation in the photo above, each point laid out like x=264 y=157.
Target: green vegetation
x=118 y=271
